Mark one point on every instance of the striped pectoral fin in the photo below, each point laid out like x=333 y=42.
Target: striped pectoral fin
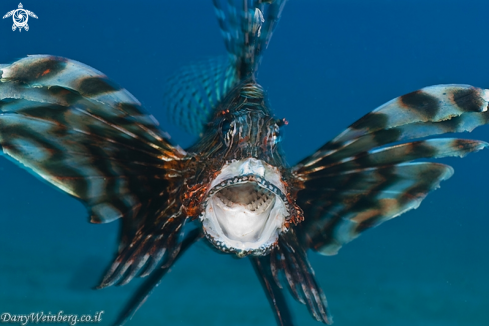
x=339 y=206
x=430 y=104
x=72 y=126
x=144 y=291
x=154 y=243
x=113 y=174
x=359 y=179
x=106 y=172
x=404 y=152
x=430 y=111
x=342 y=199
x=49 y=80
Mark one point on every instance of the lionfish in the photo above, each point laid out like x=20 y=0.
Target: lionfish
x=69 y=124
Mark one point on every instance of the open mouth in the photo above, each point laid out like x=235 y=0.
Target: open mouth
x=245 y=208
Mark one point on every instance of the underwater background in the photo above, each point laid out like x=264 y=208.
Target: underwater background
x=329 y=63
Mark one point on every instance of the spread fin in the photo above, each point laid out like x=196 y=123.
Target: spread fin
x=263 y=269
x=194 y=91
x=70 y=125
x=365 y=176
x=247 y=27
x=145 y=290
x=289 y=258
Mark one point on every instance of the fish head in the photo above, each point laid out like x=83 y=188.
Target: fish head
x=248 y=201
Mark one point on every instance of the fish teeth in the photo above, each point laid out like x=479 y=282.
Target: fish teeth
x=251 y=196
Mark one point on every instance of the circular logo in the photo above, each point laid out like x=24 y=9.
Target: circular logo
x=20 y=17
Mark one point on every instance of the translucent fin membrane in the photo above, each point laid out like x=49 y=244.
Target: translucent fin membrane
x=361 y=179
x=247 y=27
x=194 y=91
x=72 y=126
x=290 y=259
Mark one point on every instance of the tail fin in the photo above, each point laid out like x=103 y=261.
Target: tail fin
x=247 y=27
x=194 y=91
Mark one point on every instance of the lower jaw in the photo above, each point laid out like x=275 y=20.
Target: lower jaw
x=221 y=246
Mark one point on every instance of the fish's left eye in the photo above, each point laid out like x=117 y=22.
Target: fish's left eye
x=275 y=135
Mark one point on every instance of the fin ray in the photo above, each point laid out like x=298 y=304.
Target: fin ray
x=195 y=90
x=365 y=175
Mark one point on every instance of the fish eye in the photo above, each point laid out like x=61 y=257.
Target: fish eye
x=226 y=125
x=274 y=135
x=227 y=131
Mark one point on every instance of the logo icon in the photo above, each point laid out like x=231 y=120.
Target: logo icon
x=20 y=17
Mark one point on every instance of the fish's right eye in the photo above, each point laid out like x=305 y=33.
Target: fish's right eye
x=226 y=125
x=227 y=131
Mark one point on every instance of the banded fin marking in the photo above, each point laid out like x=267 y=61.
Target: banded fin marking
x=70 y=125
x=55 y=80
x=45 y=70
x=332 y=152
x=405 y=152
x=363 y=176
x=354 y=201
x=430 y=104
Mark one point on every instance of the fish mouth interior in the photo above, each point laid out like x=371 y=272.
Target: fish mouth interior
x=242 y=210
x=245 y=209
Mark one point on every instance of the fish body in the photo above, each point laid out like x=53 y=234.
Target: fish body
x=72 y=126
x=240 y=169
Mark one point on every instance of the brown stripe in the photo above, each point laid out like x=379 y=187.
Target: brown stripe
x=93 y=86
x=371 y=121
x=38 y=69
x=423 y=104
x=468 y=100
x=465 y=146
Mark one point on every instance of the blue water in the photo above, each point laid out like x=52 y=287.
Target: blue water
x=329 y=63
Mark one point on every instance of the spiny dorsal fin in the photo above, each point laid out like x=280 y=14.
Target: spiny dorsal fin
x=195 y=90
x=247 y=26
